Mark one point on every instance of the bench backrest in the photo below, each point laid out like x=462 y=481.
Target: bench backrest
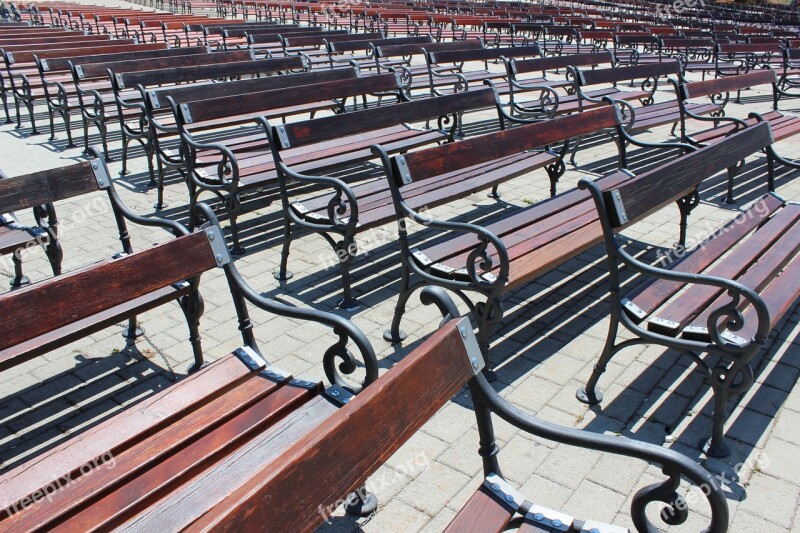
x=657 y=188
x=417 y=49
x=205 y=72
x=482 y=54
x=47 y=186
x=38 y=309
x=431 y=162
x=524 y=66
x=727 y=84
x=333 y=460
x=160 y=50
x=157 y=98
x=613 y=75
x=256 y=102
x=350 y=46
x=27 y=56
x=96 y=70
x=317 y=130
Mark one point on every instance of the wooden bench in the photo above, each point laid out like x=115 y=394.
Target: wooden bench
x=719 y=299
x=399 y=59
x=649 y=114
x=60 y=91
x=229 y=167
x=22 y=76
x=40 y=190
x=163 y=133
x=129 y=89
x=502 y=253
x=719 y=90
x=230 y=447
x=460 y=69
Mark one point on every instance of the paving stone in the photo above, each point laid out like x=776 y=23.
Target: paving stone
x=771 y=499
x=433 y=488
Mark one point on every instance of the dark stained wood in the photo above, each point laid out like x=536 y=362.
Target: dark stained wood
x=226 y=106
x=558 y=62
x=424 y=164
x=94 y=70
x=728 y=83
x=55 y=64
x=120 y=45
x=483 y=513
x=618 y=74
x=483 y=54
x=326 y=128
x=650 y=191
x=188 y=93
x=71 y=297
x=22 y=192
x=212 y=71
x=653 y=294
x=374 y=425
x=416 y=49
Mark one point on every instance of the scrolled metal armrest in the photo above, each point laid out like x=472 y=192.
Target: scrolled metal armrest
x=342 y=327
x=227 y=160
x=674 y=464
x=336 y=207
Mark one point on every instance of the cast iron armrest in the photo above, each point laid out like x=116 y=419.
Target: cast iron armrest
x=343 y=328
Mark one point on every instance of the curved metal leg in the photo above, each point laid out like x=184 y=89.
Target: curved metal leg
x=193 y=306
x=589 y=394
x=346 y=254
x=394 y=334
x=283 y=272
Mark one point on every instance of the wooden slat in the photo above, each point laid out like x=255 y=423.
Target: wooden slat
x=354 y=442
x=22 y=192
x=651 y=191
x=199 y=72
x=119 y=432
x=483 y=513
x=653 y=294
x=326 y=128
x=163 y=479
x=685 y=307
x=727 y=83
x=200 y=496
x=93 y=70
x=779 y=297
x=616 y=74
x=424 y=164
x=35 y=310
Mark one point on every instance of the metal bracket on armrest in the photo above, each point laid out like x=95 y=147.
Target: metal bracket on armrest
x=250 y=358
x=591 y=526
x=100 y=172
x=338 y=395
x=550 y=518
x=471 y=344
x=500 y=488
x=218 y=246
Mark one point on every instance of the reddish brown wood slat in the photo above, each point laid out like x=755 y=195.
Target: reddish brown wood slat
x=650 y=191
x=353 y=443
x=161 y=480
x=779 y=297
x=424 y=164
x=125 y=428
x=68 y=298
x=686 y=306
x=483 y=513
x=200 y=496
x=653 y=294
x=727 y=84
x=22 y=192
x=770 y=262
x=147 y=453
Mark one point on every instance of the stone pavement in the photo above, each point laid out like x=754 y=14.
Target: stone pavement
x=544 y=350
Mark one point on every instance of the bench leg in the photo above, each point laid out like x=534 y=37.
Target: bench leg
x=283 y=273
x=51 y=117
x=29 y=105
x=589 y=394
x=68 y=126
x=346 y=251
x=103 y=128
x=726 y=380
x=394 y=334
x=19 y=279
x=133 y=330
x=233 y=208
x=488 y=448
x=4 y=98
x=193 y=306
x=555 y=171
x=732 y=171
